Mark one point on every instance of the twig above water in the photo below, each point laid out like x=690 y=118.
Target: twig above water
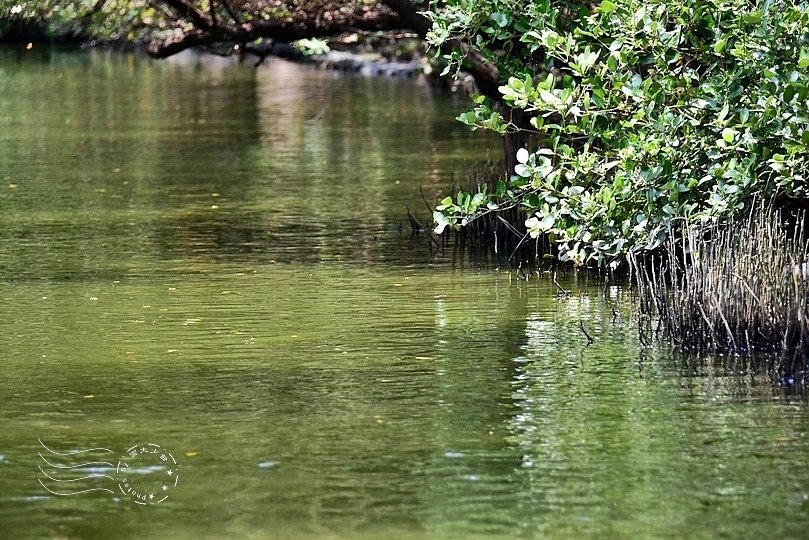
x=566 y=293
x=415 y=224
x=426 y=204
x=510 y=227
x=581 y=325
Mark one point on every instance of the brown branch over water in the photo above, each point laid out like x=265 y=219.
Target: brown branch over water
x=321 y=19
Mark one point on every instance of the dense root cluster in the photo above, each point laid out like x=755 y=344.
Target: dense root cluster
x=737 y=289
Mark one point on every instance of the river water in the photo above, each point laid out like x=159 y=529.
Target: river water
x=214 y=262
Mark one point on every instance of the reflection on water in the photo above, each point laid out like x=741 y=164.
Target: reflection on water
x=210 y=258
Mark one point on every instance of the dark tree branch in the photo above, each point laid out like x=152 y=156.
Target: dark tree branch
x=226 y=5
x=212 y=11
x=283 y=31
x=179 y=42
x=589 y=338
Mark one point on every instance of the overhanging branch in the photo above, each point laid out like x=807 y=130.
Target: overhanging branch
x=301 y=26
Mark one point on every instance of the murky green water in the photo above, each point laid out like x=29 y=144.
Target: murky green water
x=216 y=260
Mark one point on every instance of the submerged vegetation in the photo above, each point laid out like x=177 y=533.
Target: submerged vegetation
x=739 y=289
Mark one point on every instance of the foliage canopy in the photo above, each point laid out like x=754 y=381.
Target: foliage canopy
x=647 y=114
x=101 y=19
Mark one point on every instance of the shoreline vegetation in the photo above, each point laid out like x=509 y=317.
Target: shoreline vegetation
x=667 y=144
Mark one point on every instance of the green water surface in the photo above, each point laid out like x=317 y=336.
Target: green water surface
x=217 y=260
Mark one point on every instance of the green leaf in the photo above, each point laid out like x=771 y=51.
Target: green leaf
x=723 y=113
x=501 y=19
x=441 y=222
x=606 y=6
x=803 y=61
x=446 y=202
x=522 y=170
x=477 y=200
x=522 y=155
x=549 y=98
x=720 y=45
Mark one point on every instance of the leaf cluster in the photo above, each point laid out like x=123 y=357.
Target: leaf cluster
x=651 y=114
